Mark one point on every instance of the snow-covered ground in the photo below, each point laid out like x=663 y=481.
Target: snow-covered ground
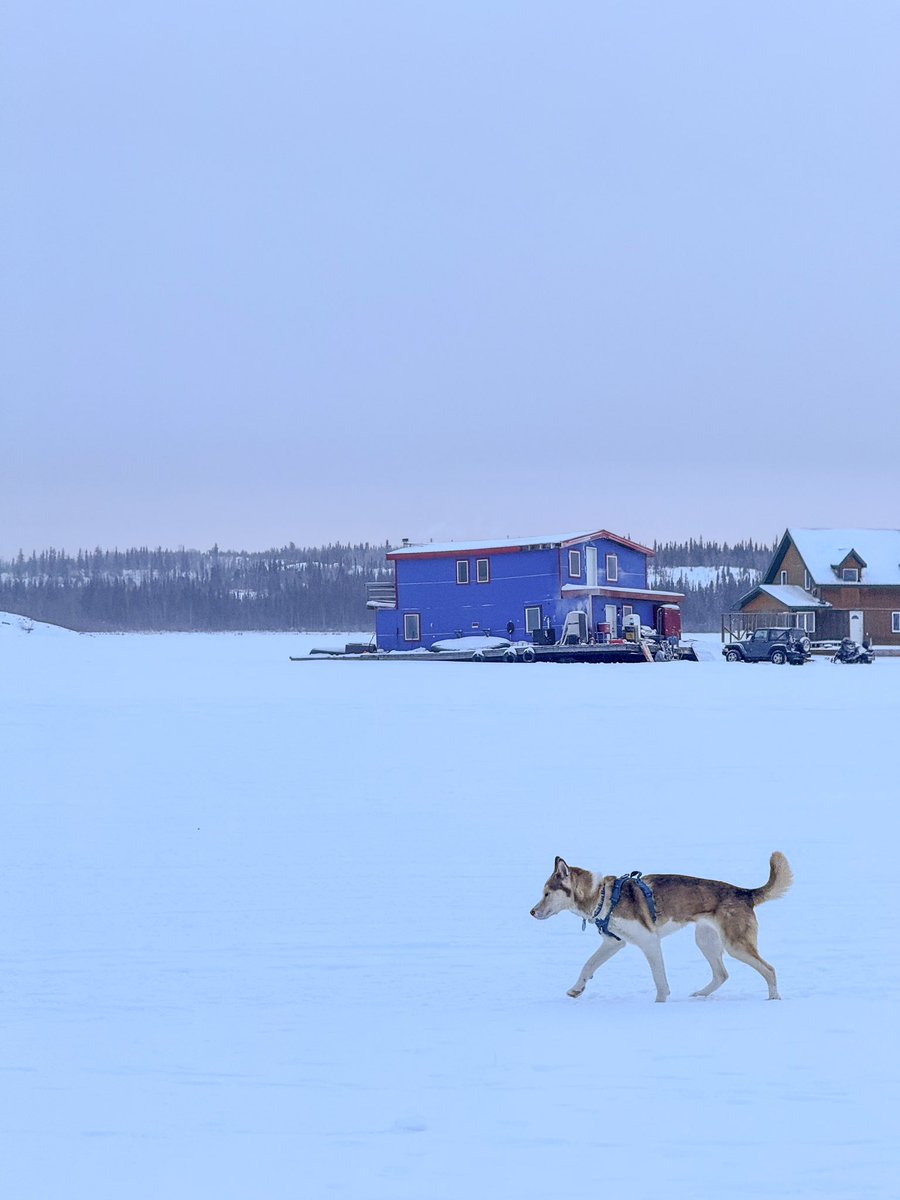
x=265 y=925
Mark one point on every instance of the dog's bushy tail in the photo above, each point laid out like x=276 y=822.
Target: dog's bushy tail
x=780 y=879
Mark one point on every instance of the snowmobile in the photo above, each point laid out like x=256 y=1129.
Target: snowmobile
x=851 y=652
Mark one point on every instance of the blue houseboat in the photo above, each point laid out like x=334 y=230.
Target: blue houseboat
x=523 y=589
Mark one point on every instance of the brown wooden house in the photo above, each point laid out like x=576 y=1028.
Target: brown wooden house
x=831 y=582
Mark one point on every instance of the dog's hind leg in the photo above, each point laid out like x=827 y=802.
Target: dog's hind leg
x=739 y=934
x=607 y=949
x=652 y=951
x=710 y=943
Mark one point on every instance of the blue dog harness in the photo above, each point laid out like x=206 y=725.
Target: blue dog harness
x=602 y=923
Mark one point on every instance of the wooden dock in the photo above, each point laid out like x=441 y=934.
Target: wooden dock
x=600 y=652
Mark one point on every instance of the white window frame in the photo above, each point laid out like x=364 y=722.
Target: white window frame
x=807 y=580
x=479 y=563
x=574 y=564
x=783 y=578
x=807 y=621
x=612 y=568
x=530 y=627
x=462 y=569
x=412 y=616
x=849 y=574
x=895 y=622
x=627 y=610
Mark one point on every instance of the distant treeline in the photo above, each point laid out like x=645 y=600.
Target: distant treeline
x=704 y=603
x=699 y=553
x=321 y=587
x=141 y=589
x=731 y=571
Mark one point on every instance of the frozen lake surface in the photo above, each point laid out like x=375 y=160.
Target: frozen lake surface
x=265 y=925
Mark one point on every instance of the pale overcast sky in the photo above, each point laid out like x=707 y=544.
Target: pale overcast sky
x=290 y=271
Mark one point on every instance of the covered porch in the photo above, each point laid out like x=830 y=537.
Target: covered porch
x=608 y=607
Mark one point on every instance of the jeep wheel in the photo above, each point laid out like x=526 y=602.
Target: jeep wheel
x=732 y=656
x=778 y=657
x=805 y=645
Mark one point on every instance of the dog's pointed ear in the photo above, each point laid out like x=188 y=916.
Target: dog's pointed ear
x=561 y=868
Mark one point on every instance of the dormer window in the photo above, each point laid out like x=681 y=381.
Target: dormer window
x=850 y=568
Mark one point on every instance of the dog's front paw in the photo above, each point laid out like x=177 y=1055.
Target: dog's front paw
x=575 y=992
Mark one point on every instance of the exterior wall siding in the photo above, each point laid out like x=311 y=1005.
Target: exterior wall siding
x=632 y=564
x=878 y=626
x=876 y=603
x=860 y=596
x=518 y=579
x=791 y=562
x=764 y=603
x=450 y=609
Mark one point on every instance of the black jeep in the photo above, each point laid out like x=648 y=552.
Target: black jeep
x=770 y=645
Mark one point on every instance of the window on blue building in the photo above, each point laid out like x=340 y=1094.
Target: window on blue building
x=462 y=570
x=532 y=617
x=482 y=570
x=412 y=627
x=574 y=564
x=612 y=568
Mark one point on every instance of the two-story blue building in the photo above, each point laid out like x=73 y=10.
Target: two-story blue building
x=521 y=588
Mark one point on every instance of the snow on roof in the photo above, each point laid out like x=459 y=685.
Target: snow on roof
x=791 y=595
x=549 y=539
x=824 y=549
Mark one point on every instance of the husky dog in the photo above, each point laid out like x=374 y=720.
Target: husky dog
x=722 y=913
